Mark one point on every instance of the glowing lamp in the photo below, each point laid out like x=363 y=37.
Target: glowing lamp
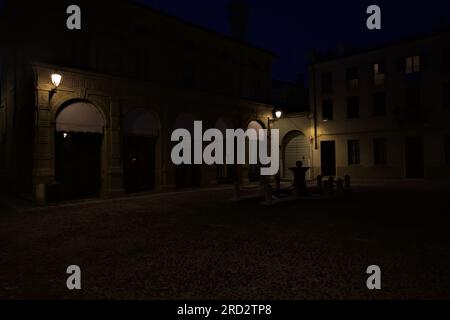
x=56 y=79
x=278 y=114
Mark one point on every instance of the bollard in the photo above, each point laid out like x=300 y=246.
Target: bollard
x=319 y=181
x=347 y=182
x=340 y=186
x=331 y=185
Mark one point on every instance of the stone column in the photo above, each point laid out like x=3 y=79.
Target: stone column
x=44 y=154
x=116 y=169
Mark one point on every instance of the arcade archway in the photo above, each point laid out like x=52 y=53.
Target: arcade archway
x=78 y=151
x=140 y=135
x=296 y=147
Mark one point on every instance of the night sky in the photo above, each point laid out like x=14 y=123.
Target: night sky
x=291 y=28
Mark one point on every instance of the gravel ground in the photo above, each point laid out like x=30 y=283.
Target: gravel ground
x=201 y=245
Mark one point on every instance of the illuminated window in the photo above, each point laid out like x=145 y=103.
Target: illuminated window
x=412 y=64
x=379 y=73
x=353 y=152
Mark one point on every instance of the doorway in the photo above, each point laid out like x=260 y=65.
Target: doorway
x=296 y=147
x=414 y=158
x=78 y=164
x=140 y=138
x=78 y=152
x=328 y=158
x=139 y=163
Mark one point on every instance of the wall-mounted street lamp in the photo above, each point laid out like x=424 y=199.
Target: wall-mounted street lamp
x=278 y=114
x=56 y=81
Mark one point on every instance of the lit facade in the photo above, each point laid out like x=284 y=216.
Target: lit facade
x=379 y=114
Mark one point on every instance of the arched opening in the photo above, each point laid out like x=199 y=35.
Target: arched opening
x=225 y=172
x=296 y=147
x=187 y=175
x=140 y=135
x=78 y=151
x=254 y=173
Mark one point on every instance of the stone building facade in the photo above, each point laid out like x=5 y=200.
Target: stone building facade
x=130 y=76
x=377 y=114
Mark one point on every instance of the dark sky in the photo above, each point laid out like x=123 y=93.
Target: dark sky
x=291 y=28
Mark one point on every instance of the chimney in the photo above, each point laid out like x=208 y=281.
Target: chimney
x=239 y=16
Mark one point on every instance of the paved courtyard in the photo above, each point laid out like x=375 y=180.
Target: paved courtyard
x=201 y=245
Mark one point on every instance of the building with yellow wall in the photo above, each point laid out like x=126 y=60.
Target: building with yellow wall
x=377 y=114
